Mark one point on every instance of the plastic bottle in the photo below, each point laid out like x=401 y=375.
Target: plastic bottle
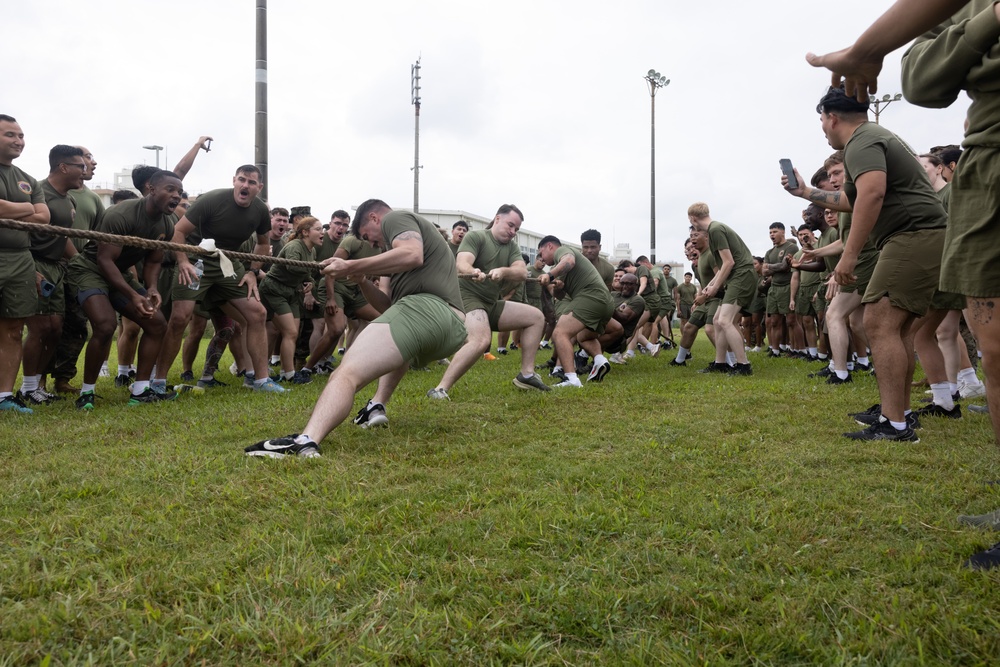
x=199 y=271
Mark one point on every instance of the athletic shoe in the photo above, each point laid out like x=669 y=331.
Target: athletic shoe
x=617 y=358
x=438 y=393
x=558 y=375
x=123 y=380
x=514 y=346
x=869 y=418
x=301 y=377
x=86 y=401
x=531 y=382
x=274 y=362
x=971 y=390
x=755 y=348
x=323 y=368
x=674 y=362
x=833 y=378
x=269 y=387
x=581 y=364
x=234 y=369
x=566 y=383
x=873 y=410
x=150 y=396
x=985 y=560
x=864 y=368
x=185 y=389
x=981 y=409
x=341 y=350
x=248 y=378
x=489 y=357
x=655 y=352
x=13 y=403
x=51 y=398
x=210 y=383
x=990 y=520
x=371 y=415
x=883 y=430
x=935 y=410
x=35 y=397
x=544 y=345
x=279 y=448
x=715 y=368
x=187 y=376
x=599 y=371
x=501 y=350
x=105 y=373
x=824 y=373
x=740 y=369
x=771 y=354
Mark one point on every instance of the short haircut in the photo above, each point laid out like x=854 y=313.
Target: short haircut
x=591 y=235
x=698 y=210
x=4 y=118
x=688 y=273
x=759 y=259
x=625 y=264
x=249 y=169
x=460 y=223
x=510 y=208
x=160 y=175
x=933 y=159
x=629 y=278
x=341 y=214
x=777 y=225
x=367 y=207
x=813 y=215
x=819 y=177
x=123 y=195
x=836 y=158
x=277 y=210
x=837 y=101
x=141 y=175
x=948 y=154
x=549 y=239
x=641 y=258
x=60 y=152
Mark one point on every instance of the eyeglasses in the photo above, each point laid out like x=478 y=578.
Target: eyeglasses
x=74 y=164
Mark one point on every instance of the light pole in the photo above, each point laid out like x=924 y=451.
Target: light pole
x=881 y=103
x=415 y=100
x=655 y=81
x=260 y=96
x=156 y=148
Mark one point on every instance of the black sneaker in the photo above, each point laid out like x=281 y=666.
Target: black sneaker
x=824 y=373
x=599 y=371
x=558 y=375
x=771 y=354
x=935 y=410
x=864 y=368
x=869 y=418
x=514 y=346
x=873 y=410
x=371 y=415
x=187 y=376
x=501 y=351
x=210 y=383
x=674 y=362
x=985 y=560
x=740 y=369
x=533 y=382
x=149 y=395
x=35 y=397
x=833 y=378
x=123 y=380
x=301 y=377
x=883 y=430
x=279 y=448
x=86 y=401
x=715 y=368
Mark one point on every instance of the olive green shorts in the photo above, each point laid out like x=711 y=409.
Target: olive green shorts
x=18 y=289
x=685 y=313
x=424 y=328
x=863 y=271
x=704 y=313
x=86 y=280
x=215 y=288
x=653 y=304
x=804 y=304
x=971 y=262
x=349 y=298
x=280 y=299
x=947 y=301
x=493 y=311
x=759 y=303
x=318 y=311
x=592 y=312
x=562 y=306
x=908 y=270
x=821 y=303
x=740 y=287
x=55 y=273
x=779 y=298
x=165 y=284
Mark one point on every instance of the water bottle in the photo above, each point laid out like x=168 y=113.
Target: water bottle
x=199 y=271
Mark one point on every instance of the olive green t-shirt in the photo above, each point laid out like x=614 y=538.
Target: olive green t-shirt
x=634 y=303
x=437 y=275
x=844 y=224
x=129 y=218
x=89 y=209
x=532 y=290
x=490 y=254
x=356 y=249
x=216 y=215
x=722 y=237
x=642 y=272
x=777 y=255
x=62 y=211
x=909 y=203
x=16 y=186
x=825 y=238
x=583 y=279
x=708 y=265
x=944 y=194
x=606 y=270
x=669 y=284
x=293 y=276
x=806 y=278
x=687 y=291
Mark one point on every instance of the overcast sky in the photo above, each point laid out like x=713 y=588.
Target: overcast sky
x=537 y=103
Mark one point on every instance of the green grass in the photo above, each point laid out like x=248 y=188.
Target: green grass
x=661 y=517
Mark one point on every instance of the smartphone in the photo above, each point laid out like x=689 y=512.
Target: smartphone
x=47 y=288
x=787 y=170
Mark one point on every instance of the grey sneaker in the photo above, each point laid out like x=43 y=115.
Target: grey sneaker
x=531 y=382
x=988 y=521
x=438 y=393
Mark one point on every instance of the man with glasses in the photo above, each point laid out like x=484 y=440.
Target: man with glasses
x=49 y=252
x=21 y=199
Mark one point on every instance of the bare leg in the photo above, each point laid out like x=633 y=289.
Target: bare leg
x=891 y=339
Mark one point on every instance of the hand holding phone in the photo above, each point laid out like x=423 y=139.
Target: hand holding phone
x=46 y=288
x=789 y=172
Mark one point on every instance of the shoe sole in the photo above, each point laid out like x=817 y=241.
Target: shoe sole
x=375 y=422
x=530 y=387
x=601 y=372
x=266 y=454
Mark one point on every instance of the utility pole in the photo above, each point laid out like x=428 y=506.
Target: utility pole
x=655 y=81
x=260 y=94
x=881 y=103
x=415 y=100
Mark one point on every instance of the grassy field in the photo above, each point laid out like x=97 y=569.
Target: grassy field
x=661 y=517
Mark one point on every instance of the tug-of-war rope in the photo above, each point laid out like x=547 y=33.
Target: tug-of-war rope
x=148 y=244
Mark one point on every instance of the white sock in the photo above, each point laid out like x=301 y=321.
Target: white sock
x=850 y=365
x=952 y=387
x=862 y=360
x=29 y=383
x=139 y=386
x=821 y=355
x=843 y=375
x=731 y=358
x=275 y=359
x=899 y=426
x=942 y=395
x=813 y=352
x=287 y=375
x=303 y=439
x=682 y=354
x=649 y=347
x=599 y=359
x=86 y=388
x=968 y=375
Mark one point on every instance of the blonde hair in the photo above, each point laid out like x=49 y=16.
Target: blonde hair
x=302 y=225
x=698 y=210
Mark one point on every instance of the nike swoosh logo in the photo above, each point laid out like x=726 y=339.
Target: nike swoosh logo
x=274 y=448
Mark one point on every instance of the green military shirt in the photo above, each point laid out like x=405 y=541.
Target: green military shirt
x=944 y=194
x=642 y=272
x=89 y=210
x=806 y=278
x=356 y=248
x=670 y=284
x=909 y=203
x=722 y=237
x=777 y=255
x=490 y=254
x=216 y=215
x=16 y=186
x=708 y=265
x=583 y=279
x=633 y=303
x=687 y=292
x=437 y=275
x=532 y=290
x=62 y=211
x=868 y=250
x=129 y=218
x=293 y=276
x=826 y=237
x=606 y=270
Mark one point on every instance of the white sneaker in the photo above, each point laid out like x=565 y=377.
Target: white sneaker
x=655 y=352
x=105 y=373
x=567 y=383
x=234 y=369
x=617 y=358
x=971 y=390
